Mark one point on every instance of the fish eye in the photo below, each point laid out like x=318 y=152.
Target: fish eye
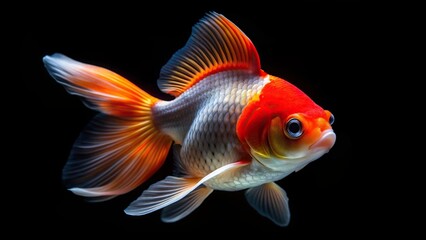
x=331 y=119
x=294 y=128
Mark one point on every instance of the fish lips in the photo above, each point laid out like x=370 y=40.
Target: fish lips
x=325 y=142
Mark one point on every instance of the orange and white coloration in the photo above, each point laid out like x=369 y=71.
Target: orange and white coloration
x=232 y=126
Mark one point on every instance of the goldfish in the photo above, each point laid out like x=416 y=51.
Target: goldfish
x=231 y=127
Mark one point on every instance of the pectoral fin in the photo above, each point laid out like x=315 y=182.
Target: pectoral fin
x=172 y=189
x=270 y=201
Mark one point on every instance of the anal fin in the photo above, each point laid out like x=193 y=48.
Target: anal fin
x=171 y=190
x=186 y=205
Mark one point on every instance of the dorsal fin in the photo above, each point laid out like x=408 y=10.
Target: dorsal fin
x=216 y=44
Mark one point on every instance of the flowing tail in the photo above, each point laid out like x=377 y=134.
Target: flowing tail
x=121 y=148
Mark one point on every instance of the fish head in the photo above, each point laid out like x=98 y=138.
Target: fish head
x=283 y=128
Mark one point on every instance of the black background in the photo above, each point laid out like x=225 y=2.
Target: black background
x=326 y=48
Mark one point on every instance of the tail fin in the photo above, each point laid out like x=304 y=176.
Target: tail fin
x=121 y=147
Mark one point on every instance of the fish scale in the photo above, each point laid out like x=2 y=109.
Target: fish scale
x=196 y=117
x=233 y=127
x=246 y=177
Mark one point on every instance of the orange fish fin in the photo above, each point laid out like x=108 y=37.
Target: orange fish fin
x=120 y=148
x=113 y=156
x=271 y=201
x=216 y=44
x=100 y=89
x=171 y=190
x=185 y=206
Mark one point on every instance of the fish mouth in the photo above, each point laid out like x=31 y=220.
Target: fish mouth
x=315 y=151
x=318 y=149
x=325 y=142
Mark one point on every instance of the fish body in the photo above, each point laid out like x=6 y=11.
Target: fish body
x=203 y=121
x=231 y=126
